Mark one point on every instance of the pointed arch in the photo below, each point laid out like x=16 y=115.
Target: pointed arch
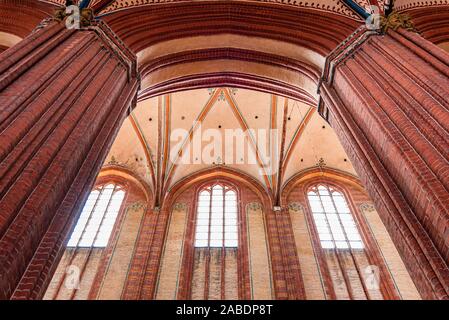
x=219 y=172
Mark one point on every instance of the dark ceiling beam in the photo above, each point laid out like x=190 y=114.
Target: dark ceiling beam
x=84 y=4
x=351 y=4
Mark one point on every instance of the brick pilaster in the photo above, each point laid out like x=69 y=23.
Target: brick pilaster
x=287 y=277
x=387 y=98
x=63 y=96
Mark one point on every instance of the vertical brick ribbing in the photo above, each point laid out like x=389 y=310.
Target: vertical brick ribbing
x=64 y=94
x=139 y=261
x=389 y=104
x=284 y=259
x=145 y=264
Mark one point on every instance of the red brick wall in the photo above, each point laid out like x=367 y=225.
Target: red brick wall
x=63 y=110
x=356 y=197
x=144 y=269
x=387 y=100
x=189 y=196
x=95 y=262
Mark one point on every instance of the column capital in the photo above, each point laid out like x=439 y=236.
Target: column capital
x=344 y=50
x=396 y=20
x=106 y=35
x=86 y=15
x=352 y=43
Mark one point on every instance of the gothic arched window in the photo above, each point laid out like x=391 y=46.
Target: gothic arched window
x=216 y=220
x=73 y=278
x=347 y=263
x=94 y=226
x=333 y=219
x=216 y=243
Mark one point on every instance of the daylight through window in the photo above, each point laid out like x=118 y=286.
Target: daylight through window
x=333 y=219
x=216 y=224
x=97 y=219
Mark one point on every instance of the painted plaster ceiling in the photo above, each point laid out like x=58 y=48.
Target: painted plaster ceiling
x=163 y=129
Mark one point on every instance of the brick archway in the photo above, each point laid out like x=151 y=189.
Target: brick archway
x=399 y=148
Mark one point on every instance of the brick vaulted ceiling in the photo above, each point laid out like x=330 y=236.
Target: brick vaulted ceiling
x=139 y=23
x=286 y=39
x=283 y=39
x=334 y=6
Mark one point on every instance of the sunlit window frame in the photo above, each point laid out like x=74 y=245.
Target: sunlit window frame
x=97 y=219
x=334 y=220
x=228 y=236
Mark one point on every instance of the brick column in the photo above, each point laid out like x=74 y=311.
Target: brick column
x=287 y=278
x=63 y=96
x=387 y=98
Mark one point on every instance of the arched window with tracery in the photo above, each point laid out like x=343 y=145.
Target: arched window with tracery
x=216 y=243
x=347 y=261
x=89 y=238
x=216 y=220
x=333 y=219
